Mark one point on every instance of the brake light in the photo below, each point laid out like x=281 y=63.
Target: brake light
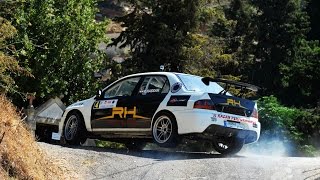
x=255 y=113
x=204 y=104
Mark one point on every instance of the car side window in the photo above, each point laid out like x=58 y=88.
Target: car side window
x=122 y=88
x=166 y=87
x=154 y=85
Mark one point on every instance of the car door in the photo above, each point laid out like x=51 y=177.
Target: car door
x=111 y=109
x=151 y=93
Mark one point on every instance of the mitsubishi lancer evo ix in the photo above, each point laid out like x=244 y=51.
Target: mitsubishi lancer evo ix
x=163 y=107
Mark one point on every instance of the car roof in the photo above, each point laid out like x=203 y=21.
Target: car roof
x=156 y=73
x=169 y=74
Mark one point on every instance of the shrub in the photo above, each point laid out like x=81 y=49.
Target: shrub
x=297 y=127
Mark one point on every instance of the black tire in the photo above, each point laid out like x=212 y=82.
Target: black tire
x=43 y=134
x=135 y=145
x=165 y=130
x=74 y=130
x=227 y=145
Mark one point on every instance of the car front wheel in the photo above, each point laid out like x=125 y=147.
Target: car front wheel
x=165 y=131
x=74 y=129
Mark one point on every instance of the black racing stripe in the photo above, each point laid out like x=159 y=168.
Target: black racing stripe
x=178 y=100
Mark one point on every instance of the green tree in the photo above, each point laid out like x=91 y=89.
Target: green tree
x=302 y=76
x=156 y=32
x=206 y=55
x=280 y=26
x=300 y=73
x=236 y=28
x=313 y=10
x=57 y=41
x=265 y=38
x=9 y=66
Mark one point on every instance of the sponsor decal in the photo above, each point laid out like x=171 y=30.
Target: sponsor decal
x=122 y=112
x=176 y=87
x=214 y=119
x=181 y=100
x=78 y=104
x=105 y=104
x=232 y=118
x=149 y=91
x=255 y=125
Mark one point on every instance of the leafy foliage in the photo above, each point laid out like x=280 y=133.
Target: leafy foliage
x=302 y=75
x=289 y=125
x=156 y=32
x=8 y=64
x=206 y=58
x=57 y=41
x=235 y=29
x=313 y=10
x=108 y=144
x=267 y=38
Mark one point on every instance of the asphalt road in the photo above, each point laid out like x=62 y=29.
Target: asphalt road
x=103 y=163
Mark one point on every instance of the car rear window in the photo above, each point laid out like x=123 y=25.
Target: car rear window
x=194 y=83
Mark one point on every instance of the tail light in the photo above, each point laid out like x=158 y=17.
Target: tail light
x=204 y=104
x=254 y=113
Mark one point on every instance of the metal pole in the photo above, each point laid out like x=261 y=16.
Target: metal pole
x=30 y=113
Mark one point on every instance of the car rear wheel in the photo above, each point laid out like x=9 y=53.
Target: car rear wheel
x=135 y=145
x=228 y=145
x=74 y=129
x=165 y=131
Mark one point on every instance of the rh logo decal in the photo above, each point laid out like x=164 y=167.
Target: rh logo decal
x=122 y=112
x=233 y=102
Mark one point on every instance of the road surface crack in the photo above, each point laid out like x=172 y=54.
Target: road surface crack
x=316 y=175
x=126 y=170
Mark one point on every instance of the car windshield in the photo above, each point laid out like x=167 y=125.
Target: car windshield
x=194 y=83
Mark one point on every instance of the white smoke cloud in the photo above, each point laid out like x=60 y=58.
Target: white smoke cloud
x=269 y=147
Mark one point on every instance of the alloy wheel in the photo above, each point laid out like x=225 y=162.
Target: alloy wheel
x=162 y=129
x=71 y=127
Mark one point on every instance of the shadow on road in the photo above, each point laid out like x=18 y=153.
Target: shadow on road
x=159 y=155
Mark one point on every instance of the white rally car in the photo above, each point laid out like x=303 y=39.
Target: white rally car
x=164 y=106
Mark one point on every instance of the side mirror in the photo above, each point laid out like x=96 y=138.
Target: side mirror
x=98 y=94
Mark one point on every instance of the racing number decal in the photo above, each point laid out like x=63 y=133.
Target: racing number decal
x=96 y=105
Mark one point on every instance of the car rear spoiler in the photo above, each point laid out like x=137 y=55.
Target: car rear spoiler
x=240 y=85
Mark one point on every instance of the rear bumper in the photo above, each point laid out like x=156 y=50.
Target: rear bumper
x=216 y=130
x=212 y=123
